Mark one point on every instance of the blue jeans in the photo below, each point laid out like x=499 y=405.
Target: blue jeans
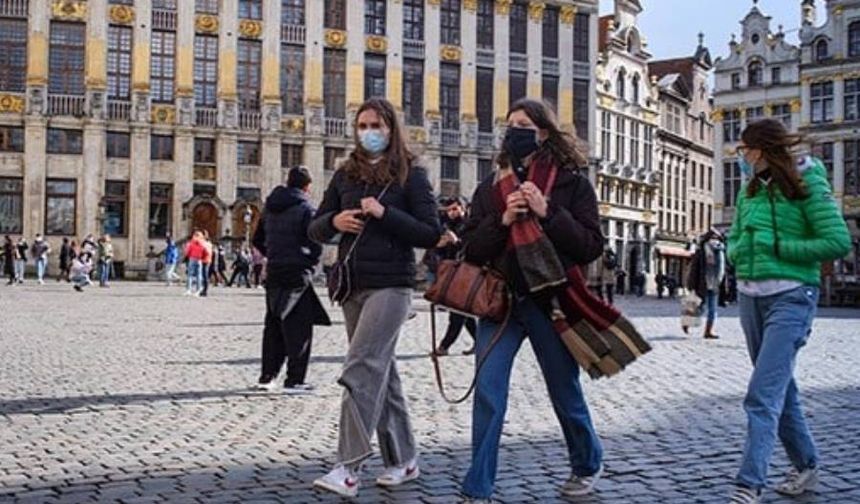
x=561 y=374
x=711 y=305
x=193 y=275
x=41 y=266
x=776 y=327
x=104 y=272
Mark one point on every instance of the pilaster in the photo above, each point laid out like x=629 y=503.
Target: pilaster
x=270 y=146
x=271 y=89
x=138 y=189
x=432 y=39
x=37 y=61
x=394 y=58
x=227 y=175
x=140 y=63
x=35 y=163
x=468 y=84
x=228 y=110
x=92 y=181
x=565 y=69
x=501 y=46
x=96 y=59
x=183 y=187
x=535 y=50
x=185 y=19
x=354 y=61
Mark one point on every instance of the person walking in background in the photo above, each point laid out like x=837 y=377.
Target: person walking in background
x=171 y=258
x=241 y=268
x=79 y=272
x=381 y=203
x=620 y=281
x=706 y=273
x=449 y=246
x=9 y=254
x=105 y=248
x=194 y=252
x=65 y=260
x=220 y=265
x=21 y=259
x=40 y=250
x=292 y=305
x=786 y=223
x=205 y=263
x=258 y=260
x=610 y=262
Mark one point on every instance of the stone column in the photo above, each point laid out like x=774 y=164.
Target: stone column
x=838 y=99
x=92 y=179
x=394 y=58
x=567 y=15
x=139 y=178
x=313 y=88
x=501 y=46
x=183 y=186
x=185 y=63
x=271 y=89
x=838 y=175
x=270 y=150
x=354 y=60
x=805 y=105
x=535 y=50
x=433 y=123
x=96 y=58
x=37 y=58
x=140 y=63
x=468 y=99
x=227 y=172
x=34 y=123
x=228 y=110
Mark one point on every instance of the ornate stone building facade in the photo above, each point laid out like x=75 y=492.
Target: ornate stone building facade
x=147 y=117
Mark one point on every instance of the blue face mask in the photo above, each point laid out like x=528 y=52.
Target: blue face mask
x=374 y=141
x=746 y=168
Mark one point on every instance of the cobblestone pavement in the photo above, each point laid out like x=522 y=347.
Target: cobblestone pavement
x=138 y=394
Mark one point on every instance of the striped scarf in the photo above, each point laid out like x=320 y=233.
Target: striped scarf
x=598 y=337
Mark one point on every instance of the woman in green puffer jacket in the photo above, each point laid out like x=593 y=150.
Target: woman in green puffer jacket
x=786 y=223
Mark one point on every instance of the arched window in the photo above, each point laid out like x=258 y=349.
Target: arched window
x=854 y=39
x=821 y=50
x=619 y=85
x=754 y=74
x=635 y=85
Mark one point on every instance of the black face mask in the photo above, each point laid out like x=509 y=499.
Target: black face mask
x=520 y=142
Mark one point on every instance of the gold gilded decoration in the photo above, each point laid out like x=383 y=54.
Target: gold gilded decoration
x=717 y=115
x=11 y=103
x=536 y=11
x=470 y=5
x=604 y=208
x=434 y=3
x=250 y=28
x=606 y=101
x=335 y=38
x=417 y=135
x=121 y=14
x=567 y=14
x=795 y=105
x=294 y=124
x=450 y=53
x=503 y=7
x=204 y=173
x=206 y=23
x=69 y=10
x=163 y=114
x=376 y=43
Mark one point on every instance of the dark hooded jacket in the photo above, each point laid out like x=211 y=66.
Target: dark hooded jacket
x=282 y=236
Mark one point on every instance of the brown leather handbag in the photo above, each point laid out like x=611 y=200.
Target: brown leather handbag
x=473 y=291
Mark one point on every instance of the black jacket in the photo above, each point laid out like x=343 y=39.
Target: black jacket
x=572 y=224
x=384 y=256
x=282 y=236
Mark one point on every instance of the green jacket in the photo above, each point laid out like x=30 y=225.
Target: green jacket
x=810 y=230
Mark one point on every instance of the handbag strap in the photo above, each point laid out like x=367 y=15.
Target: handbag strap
x=481 y=359
x=360 y=233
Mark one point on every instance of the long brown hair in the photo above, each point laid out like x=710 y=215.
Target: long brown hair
x=397 y=158
x=565 y=148
x=775 y=143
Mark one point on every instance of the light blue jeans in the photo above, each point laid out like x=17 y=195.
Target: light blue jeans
x=711 y=305
x=776 y=327
x=193 y=275
x=41 y=266
x=561 y=374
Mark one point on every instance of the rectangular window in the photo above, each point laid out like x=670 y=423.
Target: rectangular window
x=292 y=78
x=413 y=19
x=484 y=99
x=449 y=12
x=782 y=113
x=775 y=75
x=413 y=91
x=160 y=205
x=292 y=155
x=293 y=12
x=450 y=176
x=824 y=152
x=754 y=114
x=250 y=9
x=204 y=151
x=486 y=24
x=821 y=102
x=13 y=57
x=161 y=147
x=116 y=206
x=206 y=6
x=731 y=183
x=519 y=27
x=60 y=206
x=852 y=167
x=731 y=126
x=374 y=17
x=649 y=145
x=206 y=71
x=119 y=62
x=163 y=66
x=605 y=135
x=65 y=141
x=334 y=84
x=66 y=59
x=118 y=144
x=619 y=139
x=248 y=73
x=550 y=32
x=248 y=153
x=374 y=76
x=11 y=205
x=450 y=96
x=736 y=81
x=581 y=117
x=164 y=4
x=11 y=139
x=852 y=99
x=517 y=86
x=581 y=36
x=335 y=14
x=331 y=156
x=485 y=169
x=549 y=91
x=634 y=144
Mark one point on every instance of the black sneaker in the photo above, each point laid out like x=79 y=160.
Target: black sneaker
x=79 y=288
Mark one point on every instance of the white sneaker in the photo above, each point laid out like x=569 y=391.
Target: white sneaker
x=187 y=293
x=269 y=386
x=576 y=486
x=340 y=480
x=744 y=495
x=398 y=475
x=797 y=482
x=299 y=389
